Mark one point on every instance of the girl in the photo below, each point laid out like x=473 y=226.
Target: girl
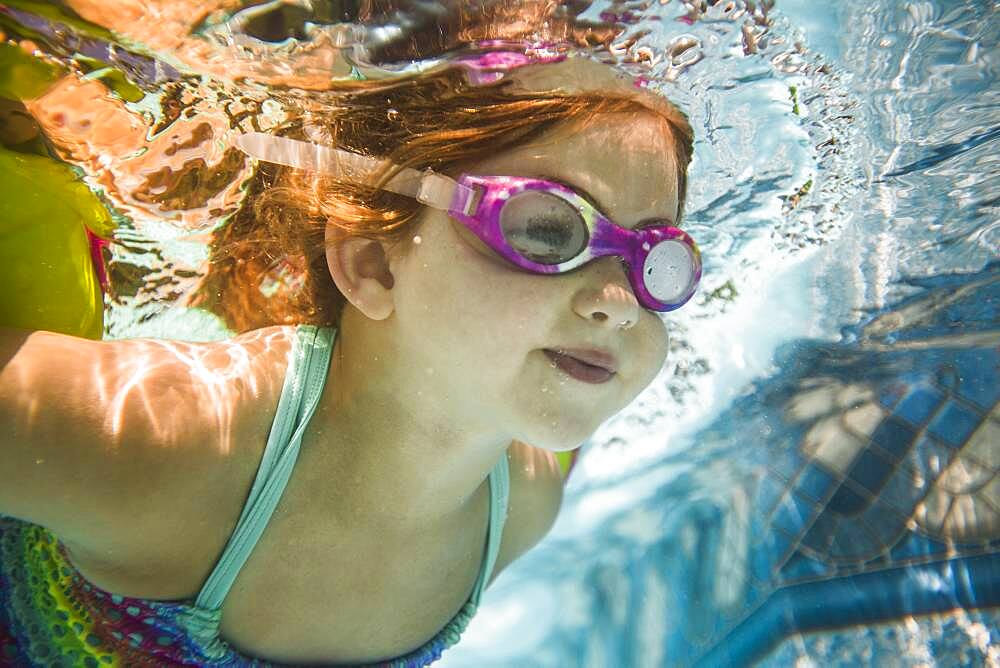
x=340 y=482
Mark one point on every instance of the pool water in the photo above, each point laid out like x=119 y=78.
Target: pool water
x=812 y=479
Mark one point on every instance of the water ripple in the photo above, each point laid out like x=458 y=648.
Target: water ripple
x=941 y=153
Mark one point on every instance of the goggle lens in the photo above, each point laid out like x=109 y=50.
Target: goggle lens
x=669 y=270
x=546 y=229
x=543 y=228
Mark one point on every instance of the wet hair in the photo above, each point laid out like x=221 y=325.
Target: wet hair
x=268 y=263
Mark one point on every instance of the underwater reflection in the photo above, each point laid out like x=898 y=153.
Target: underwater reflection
x=128 y=381
x=878 y=494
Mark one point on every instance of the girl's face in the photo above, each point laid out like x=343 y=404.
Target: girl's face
x=478 y=328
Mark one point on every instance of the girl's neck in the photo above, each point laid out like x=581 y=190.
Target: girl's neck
x=401 y=456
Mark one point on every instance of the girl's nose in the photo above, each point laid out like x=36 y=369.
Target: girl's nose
x=606 y=296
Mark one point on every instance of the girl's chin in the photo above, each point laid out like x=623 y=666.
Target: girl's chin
x=555 y=441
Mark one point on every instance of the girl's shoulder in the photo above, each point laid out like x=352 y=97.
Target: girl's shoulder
x=134 y=451
x=196 y=401
x=198 y=425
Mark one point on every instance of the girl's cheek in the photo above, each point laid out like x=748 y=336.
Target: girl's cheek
x=662 y=339
x=654 y=344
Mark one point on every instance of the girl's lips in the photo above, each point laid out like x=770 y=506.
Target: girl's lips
x=581 y=370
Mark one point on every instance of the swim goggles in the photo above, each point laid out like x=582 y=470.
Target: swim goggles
x=540 y=226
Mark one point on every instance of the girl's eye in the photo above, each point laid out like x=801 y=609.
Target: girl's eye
x=554 y=233
x=543 y=228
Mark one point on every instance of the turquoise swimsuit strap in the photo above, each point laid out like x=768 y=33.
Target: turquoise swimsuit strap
x=304 y=380
x=499 y=494
x=303 y=386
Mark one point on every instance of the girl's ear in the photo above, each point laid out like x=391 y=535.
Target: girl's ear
x=360 y=268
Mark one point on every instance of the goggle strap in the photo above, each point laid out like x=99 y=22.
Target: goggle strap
x=427 y=187
x=440 y=192
x=307 y=156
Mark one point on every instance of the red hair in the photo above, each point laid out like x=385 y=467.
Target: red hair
x=268 y=263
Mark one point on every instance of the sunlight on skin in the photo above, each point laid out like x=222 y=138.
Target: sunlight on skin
x=128 y=380
x=162 y=387
x=210 y=380
x=615 y=293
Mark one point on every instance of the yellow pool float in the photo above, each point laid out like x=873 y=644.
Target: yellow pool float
x=47 y=272
x=51 y=224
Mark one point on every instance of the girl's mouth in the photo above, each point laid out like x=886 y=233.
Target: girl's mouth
x=577 y=368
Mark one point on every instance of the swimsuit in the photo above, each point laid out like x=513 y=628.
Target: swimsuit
x=51 y=616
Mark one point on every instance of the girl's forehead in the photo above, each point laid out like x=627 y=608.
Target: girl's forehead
x=624 y=162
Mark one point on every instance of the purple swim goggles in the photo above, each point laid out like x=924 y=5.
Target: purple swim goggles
x=540 y=226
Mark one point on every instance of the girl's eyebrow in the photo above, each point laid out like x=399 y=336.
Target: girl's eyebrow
x=648 y=222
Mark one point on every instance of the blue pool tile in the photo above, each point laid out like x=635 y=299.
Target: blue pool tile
x=888 y=395
x=792 y=515
x=901 y=492
x=769 y=490
x=824 y=526
x=978 y=380
x=780 y=545
x=758 y=527
x=930 y=458
x=881 y=561
x=787 y=465
x=854 y=541
x=918 y=406
x=871 y=471
x=986 y=393
x=762 y=563
x=915 y=546
x=954 y=424
x=821 y=531
x=847 y=500
x=884 y=521
x=894 y=437
x=800 y=567
x=753 y=594
x=815 y=482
